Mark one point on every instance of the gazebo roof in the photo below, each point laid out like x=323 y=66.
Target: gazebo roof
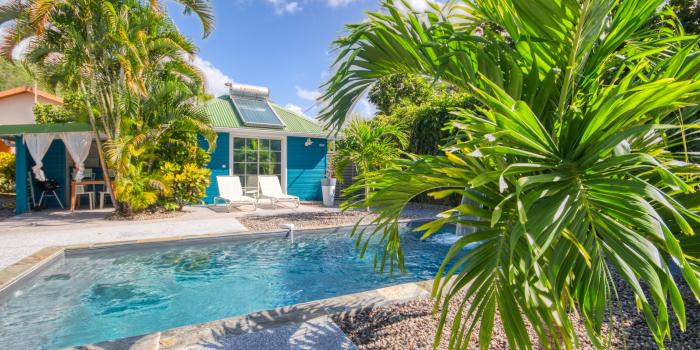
x=21 y=129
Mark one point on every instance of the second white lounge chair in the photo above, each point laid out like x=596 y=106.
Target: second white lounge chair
x=270 y=188
x=231 y=192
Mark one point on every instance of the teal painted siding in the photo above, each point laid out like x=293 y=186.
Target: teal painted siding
x=306 y=166
x=21 y=166
x=55 y=168
x=218 y=165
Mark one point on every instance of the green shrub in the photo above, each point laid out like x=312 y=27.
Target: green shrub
x=187 y=183
x=138 y=190
x=7 y=172
x=49 y=114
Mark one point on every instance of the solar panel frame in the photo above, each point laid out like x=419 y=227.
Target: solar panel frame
x=263 y=115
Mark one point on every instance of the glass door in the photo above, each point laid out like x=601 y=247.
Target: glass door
x=253 y=157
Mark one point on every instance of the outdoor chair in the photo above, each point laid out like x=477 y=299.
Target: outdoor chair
x=270 y=188
x=80 y=190
x=231 y=193
x=103 y=194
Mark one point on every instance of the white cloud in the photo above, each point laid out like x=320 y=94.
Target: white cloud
x=284 y=6
x=422 y=5
x=215 y=78
x=339 y=3
x=294 y=108
x=365 y=108
x=309 y=95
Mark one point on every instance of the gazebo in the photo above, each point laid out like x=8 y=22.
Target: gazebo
x=48 y=152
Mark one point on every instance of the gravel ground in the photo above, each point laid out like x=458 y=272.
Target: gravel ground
x=7 y=205
x=147 y=215
x=412 y=325
x=327 y=218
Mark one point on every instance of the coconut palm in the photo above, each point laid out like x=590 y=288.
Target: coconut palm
x=368 y=146
x=113 y=53
x=571 y=160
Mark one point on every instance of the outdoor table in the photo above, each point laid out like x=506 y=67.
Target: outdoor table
x=84 y=183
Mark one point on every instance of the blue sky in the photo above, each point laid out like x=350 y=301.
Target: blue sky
x=281 y=44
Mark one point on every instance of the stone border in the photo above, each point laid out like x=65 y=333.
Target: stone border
x=210 y=332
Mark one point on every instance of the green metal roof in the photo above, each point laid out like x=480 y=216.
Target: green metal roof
x=21 y=129
x=223 y=115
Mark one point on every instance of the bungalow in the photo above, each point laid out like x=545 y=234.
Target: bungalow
x=255 y=137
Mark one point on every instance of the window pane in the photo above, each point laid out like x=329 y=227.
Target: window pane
x=238 y=156
x=264 y=144
x=253 y=144
x=238 y=143
x=276 y=145
x=267 y=169
x=276 y=157
x=251 y=168
x=264 y=156
x=251 y=156
x=239 y=168
x=278 y=169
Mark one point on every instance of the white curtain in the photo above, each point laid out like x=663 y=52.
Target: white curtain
x=78 y=146
x=38 y=145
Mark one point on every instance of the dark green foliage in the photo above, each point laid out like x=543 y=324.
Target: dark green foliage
x=688 y=12
x=7 y=172
x=392 y=91
x=13 y=76
x=46 y=113
x=425 y=123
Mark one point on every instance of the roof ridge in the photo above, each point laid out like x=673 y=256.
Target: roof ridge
x=30 y=89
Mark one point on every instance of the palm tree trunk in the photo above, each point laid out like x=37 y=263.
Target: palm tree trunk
x=98 y=142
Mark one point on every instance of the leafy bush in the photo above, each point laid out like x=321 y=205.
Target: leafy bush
x=46 y=113
x=7 y=172
x=138 y=189
x=392 y=91
x=188 y=184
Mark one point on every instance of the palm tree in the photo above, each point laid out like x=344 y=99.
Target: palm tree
x=569 y=158
x=368 y=146
x=107 y=51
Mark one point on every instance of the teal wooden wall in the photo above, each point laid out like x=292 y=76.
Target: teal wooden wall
x=306 y=166
x=219 y=163
x=22 y=201
x=55 y=168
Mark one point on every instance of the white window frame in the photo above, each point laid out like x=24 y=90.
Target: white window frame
x=262 y=135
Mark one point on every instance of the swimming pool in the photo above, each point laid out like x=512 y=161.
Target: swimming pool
x=93 y=296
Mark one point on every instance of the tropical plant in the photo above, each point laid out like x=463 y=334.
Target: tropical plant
x=7 y=172
x=47 y=113
x=188 y=182
x=567 y=158
x=141 y=190
x=395 y=90
x=368 y=146
x=425 y=122
x=688 y=12
x=122 y=57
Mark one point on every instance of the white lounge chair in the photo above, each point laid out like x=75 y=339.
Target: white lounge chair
x=231 y=192
x=270 y=188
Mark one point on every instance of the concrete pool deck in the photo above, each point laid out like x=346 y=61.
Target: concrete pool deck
x=23 y=235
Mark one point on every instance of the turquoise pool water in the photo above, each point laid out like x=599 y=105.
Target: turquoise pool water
x=87 y=298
